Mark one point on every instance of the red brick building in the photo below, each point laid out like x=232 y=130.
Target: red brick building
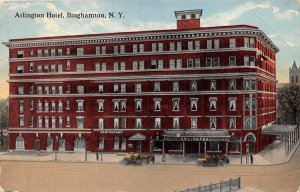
x=187 y=90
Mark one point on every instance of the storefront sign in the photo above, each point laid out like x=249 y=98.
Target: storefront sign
x=111 y=132
x=194 y=139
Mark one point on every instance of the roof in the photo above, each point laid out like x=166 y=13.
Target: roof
x=138 y=137
x=278 y=129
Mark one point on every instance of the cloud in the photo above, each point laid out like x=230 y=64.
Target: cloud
x=285 y=15
x=226 y=17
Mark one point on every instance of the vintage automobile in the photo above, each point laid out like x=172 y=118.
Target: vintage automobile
x=213 y=160
x=138 y=159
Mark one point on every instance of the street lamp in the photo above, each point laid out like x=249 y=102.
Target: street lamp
x=56 y=146
x=85 y=151
x=241 y=153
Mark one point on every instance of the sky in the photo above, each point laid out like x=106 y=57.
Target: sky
x=279 y=19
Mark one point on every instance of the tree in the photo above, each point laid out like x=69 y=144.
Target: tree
x=289 y=104
x=4 y=114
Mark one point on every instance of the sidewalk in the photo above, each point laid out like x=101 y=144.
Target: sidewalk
x=273 y=154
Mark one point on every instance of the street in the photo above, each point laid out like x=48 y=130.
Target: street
x=63 y=176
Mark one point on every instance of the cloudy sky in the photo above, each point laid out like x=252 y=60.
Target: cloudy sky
x=279 y=19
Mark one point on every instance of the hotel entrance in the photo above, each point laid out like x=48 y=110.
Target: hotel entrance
x=138 y=142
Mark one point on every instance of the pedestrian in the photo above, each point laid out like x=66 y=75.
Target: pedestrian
x=251 y=158
x=97 y=156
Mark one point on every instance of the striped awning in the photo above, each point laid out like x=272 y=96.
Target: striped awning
x=137 y=137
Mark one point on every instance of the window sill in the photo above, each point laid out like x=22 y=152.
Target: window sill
x=79 y=111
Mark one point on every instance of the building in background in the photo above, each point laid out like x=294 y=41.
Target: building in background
x=187 y=90
x=294 y=73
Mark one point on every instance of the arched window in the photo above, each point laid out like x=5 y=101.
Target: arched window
x=116 y=143
x=101 y=143
x=20 y=142
x=251 y=142
x=62 y=144
x=234 y=143
x=79 y=142
x=123 y=145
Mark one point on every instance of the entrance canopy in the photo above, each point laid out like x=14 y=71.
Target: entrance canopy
x=279 y=129
x=137 y=137
x=196 y=135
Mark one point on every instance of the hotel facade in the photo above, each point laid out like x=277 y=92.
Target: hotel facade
x=188 y=90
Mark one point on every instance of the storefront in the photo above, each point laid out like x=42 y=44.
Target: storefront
x=195 y=141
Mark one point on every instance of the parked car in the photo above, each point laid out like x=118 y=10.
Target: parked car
x=213 y=160
x=138 y=159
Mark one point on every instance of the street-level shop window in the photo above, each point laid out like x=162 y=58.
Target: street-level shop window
x=123 y=143
x=20 y=142
x=116 y=143
x=101 y=143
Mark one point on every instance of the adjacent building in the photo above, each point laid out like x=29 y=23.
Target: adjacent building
x=294 y=73
x=187 y=90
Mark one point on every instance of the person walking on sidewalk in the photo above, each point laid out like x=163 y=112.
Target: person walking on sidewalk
x=251 y=158
x=97 y=156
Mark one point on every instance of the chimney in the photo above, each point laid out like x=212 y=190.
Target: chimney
x=188 y=19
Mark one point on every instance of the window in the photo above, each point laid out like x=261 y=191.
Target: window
x=21 y=106
x=253 y=106
x=141 y=48
x=20 y=142
x=100 y=88
x=209 y=44
x=46 y=69
x=20 y=90
x=157 y=123
x=197 y=45
x=46 y=52
x=212 y=104
x=123 y=68
x=97 y=66
x=176 y=123
x=40 y=106
x=232 y=61
x=157 y=104
x=123 y=143
x=176 y=104
x=100 y=105
x=193 y=122
x=60 y=122
x=232 y=43
x=178 y=46
x=21 y=120
x=209 y=62
x=39 y=90
x=20 y=54
x=247 y=123
x=80 y=106
x=138 y=105
x=138 y=123
x=194 y=86
x=213 y=122
x=253 y=84
x=160 y=64
x=80 y=68
x=80 y=51
x=172 y=64
x=122 y=48
x=178 y=63
x=216 y=43
x=123 y=88
x=232 y=104
x=53 y=107
x=172 y=46
x=197 y=62
x=59 y=52
x=213 y=85
x=39 y=52
x=247 y=84
x=123 y=105
x=253 y=122
x=103 y=65
x=116 y=123
x=247 y=104
x=160 y=46
x=157 y=86
x=194 y=104
x=249 y=42
x=116 y=66
x=154 y=64
x=175 y=86
x=101 y=143
x=68 y=121
x=80 y=122
x=232 y=85
x=31 y=68
x=20 y=69
x=116 y=105
x=116 y=143
x=46 y=90
x=134 y=48
x=190 y=63
x=154 y=47
x=252 y=42
x=135 y=65
x=46 y=122
x=216 y=61
x=98 y=50
x=53 y=122
x=60 y=106
x=31 y=105
x=80 y=89
x=250 y=104
x=252 y=61
x=116 y=49
x=52 y=52
x=123 y=123
x=60 y=89
x=46 y=106
x=116 y=88
x=68 y=105
x=40 y=70
x=100 y=123
x=190 y=45
x=138 y=88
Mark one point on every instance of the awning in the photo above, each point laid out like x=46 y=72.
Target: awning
x=196 y=135
x=137 y=137
x=278 y=129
